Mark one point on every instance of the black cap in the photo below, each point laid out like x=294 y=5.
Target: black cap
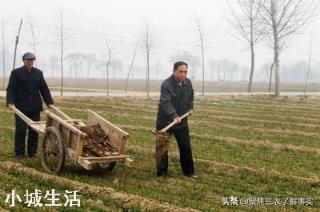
x=28 y=55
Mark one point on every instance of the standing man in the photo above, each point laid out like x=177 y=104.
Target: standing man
x=26 y=84
x=176 y=99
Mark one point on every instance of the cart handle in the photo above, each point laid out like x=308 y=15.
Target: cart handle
x=26 y=119
x=58 y=111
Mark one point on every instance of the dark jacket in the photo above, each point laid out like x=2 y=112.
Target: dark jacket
x=24 y=90
x=175 y=100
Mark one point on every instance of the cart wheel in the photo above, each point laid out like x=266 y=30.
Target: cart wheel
x=111 y=166
x=53 y=151
x=108 y=166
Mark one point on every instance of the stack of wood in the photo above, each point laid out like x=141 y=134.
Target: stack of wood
x=98 y=143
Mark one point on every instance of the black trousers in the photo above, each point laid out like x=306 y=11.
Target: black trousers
x=183 y=140
x=20 y=135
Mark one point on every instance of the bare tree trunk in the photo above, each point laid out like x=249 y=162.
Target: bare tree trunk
x=3 y=55
x=277 y=69
x=61 y=52
x=89 y=65
x=16 y=46
x=148 y=73
x=252 y=51
x=309 y=66
x=276 y=48
x=107 y=78
x=131 y=67
x=246 y=22
x=52 y=70
x=88 y=71
x=107 y=57
x=148 y=60
x=76 y=70
x=285 y=18
x=34 y=42
x=202 y=52
x=148 y=43
x=252 y=68
x=108 y=61
x=107 y=70
x=270 y=77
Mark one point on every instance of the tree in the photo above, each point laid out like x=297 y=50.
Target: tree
x=148 y=45
x=90 y=60
x=61 y=44
x=131 y=66
x=16 y=45
x=100 y=65
x=245 y=20
x=201 y=37
x=309 y=65
x=283 y=19
x=270 y=76
x=116 y=67
x=76 y=61
x=34 y=39
x=107 y=53
x=73 y=59
x=54 y=62
x=225 y=67
x=3 y=50
x=212 y=68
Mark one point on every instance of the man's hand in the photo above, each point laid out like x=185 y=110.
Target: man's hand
x=10 y=106
x=191 y=112
x=177 y=120
x=50 y=105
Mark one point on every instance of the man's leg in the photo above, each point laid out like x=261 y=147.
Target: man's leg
x=20 y=135
x=162 y=147
x=183 y=139
x=33 y=135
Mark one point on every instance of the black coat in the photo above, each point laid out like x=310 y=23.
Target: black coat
x=175 y=100
x=24 y=90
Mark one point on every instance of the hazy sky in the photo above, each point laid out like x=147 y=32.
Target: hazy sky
x=171 y=21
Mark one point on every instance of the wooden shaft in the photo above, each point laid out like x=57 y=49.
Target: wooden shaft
x=34 y=125
x=65 y=124
x=58 y=111
x=26 y=119
x=174 y=122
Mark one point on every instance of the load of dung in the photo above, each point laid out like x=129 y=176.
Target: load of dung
x=98 y=143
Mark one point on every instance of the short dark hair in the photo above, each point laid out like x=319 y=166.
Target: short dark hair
x=179 y=63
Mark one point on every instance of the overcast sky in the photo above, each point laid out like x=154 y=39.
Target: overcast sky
x=171 y=21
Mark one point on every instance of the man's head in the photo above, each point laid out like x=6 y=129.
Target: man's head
x=28 y=59
x=180 y=70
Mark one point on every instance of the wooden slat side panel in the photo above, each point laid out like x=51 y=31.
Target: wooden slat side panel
x=117 y=136
x=105 y=159
x=79 y=146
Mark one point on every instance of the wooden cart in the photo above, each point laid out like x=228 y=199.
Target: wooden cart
x=61 y=137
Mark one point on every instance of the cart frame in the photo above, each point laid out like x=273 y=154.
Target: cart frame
x=69 y=140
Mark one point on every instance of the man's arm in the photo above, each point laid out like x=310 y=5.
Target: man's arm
x=190 y=104
x=166 y=104
x=45 y=92
x=11 y=89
